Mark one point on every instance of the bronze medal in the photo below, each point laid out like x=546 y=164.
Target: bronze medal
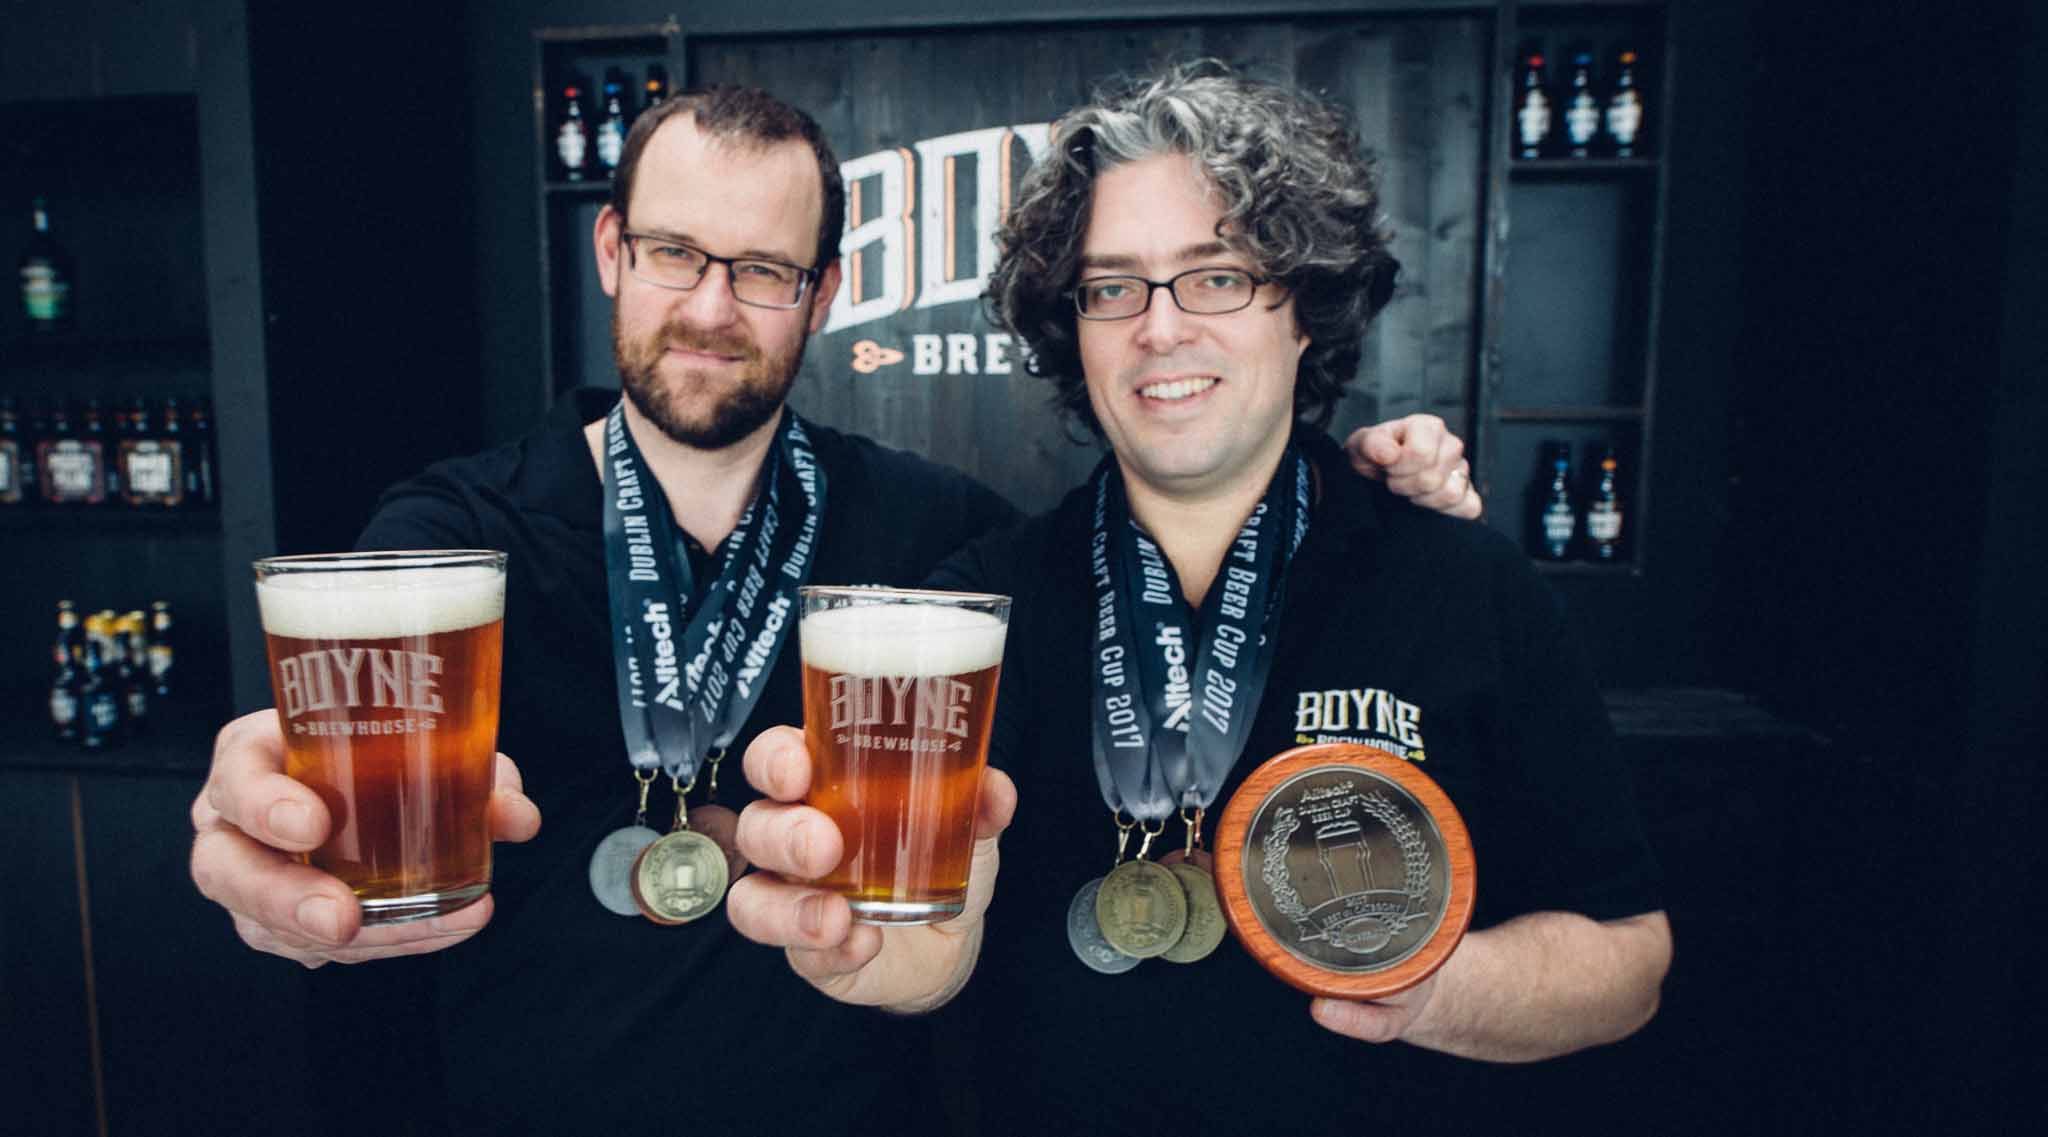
x=679 y=878
x=1141 y=909
x=1205 y=927
x=722 y=826
x=1345 y=871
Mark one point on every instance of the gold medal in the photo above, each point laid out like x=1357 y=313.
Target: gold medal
x=684 y=874
x=679 y=878
x=1142 y=909
x=1205 y=925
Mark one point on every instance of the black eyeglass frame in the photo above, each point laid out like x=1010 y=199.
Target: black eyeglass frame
x=806 y=277
x=1152 y=286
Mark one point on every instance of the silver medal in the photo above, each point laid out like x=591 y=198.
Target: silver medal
x=1084 y=935
x=611 y=867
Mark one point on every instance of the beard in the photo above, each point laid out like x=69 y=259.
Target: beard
x=759 y=386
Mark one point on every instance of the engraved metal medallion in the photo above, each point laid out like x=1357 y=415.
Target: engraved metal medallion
x=1142 y=909
x=1345 y=869
x=611 y=867
x=1205 y=914
x=680 y=877
x=1084 y=935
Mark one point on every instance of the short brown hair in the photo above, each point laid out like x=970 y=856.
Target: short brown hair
x=748 y=115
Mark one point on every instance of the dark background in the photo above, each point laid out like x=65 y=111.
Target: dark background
x=1848 y=463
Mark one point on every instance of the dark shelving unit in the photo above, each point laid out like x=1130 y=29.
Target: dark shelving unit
x=124 y=184
x=1574 y=266
x=572 y=303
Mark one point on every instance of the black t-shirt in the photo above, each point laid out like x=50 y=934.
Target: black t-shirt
x=561 y=1017
x=1408 y=630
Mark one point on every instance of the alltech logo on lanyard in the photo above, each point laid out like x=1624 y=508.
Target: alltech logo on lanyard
x=1174 y=701
x=688 y=680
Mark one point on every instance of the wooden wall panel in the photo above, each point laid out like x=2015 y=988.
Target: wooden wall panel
x=1416 y=84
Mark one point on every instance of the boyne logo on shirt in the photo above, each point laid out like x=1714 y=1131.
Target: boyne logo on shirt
x=1368 y=715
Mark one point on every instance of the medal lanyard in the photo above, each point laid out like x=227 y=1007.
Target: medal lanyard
x=688 y=680
x=1175 y=699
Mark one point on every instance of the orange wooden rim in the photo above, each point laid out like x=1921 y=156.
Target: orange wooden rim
x=1305 y=976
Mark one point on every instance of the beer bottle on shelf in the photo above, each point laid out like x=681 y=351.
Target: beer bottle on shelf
x=161 y=658
x=66 y=678
x=45 y=276
x=13 y=455
x=35 y=426
x=109 y=443
x=72 y=469
x=93 y=429
x=134 y=630
x=572 y=137
x=611 y=129
x=202 y=487
x=151 y=472
x=99 y=628
x=1625 y=107
x=1533 y=120
x=1581 y=108
x=1555 y=519
x=123 y=675
x=1603 y=512
x=656 y=87
x=99 y=701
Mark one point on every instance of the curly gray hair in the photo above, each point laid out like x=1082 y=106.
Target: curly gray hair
x=1299 y=199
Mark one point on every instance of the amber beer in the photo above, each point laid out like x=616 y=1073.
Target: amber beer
x=385 y=669
x=899 y=694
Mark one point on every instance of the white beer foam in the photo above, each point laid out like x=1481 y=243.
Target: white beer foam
x=380 y=605
x=901 y=640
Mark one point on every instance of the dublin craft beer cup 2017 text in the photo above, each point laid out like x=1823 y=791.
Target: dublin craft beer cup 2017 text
x=385 y=669
x=899 y=695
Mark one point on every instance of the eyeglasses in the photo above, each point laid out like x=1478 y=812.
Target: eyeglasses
x=1198 y=291
x=671 y=264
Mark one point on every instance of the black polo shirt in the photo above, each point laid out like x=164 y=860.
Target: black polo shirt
x=561 y=1017
x=1425 y=635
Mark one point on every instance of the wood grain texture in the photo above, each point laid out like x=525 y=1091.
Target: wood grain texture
x=1261 y=944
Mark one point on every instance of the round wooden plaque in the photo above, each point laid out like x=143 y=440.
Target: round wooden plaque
x=1345 y=871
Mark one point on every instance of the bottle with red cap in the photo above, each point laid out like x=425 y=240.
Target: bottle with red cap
x=572 y=136
x=1535 y=125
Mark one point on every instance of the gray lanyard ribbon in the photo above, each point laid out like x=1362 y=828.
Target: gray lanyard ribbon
x=688 y=680
x=1175 y=699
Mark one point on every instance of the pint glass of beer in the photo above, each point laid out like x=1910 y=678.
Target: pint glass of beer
x=385 y=669
x=899 y=694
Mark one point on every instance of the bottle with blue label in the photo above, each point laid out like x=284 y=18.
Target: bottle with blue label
x=611 y=126
x=99 y=699
x=1555 y=523
x=1581 y=108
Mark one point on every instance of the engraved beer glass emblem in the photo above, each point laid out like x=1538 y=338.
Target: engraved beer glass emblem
x=1346 y=870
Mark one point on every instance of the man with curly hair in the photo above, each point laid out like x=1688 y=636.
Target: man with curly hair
x=1194 y=264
